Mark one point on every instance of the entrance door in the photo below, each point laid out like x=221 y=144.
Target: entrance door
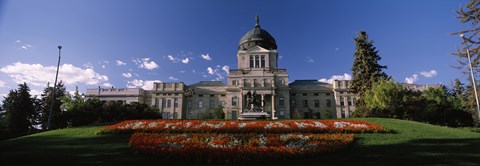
x=234 y=114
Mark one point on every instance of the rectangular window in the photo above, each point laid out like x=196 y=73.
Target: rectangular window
x=305 y=103
x=316 y=103
x=200 y=95
x=189 y=105
x=329 y=103
x=222 y=103
x=293 y=104
x=339 y=84
x=281 y=101
x=175 y=114
x=257 y=61
x=211 y=104
x=293 y=94
x=175 y=102
x=327 y=94
x=346 y=84
x=169 y=103
x=251 y=61
x=349 y=101
x=168 y=115
x=200 y=104
x=304 y=94
x=262 y=64
x=212 y=95
x=234 y=101
x=156 y=102
x=341 y=101
x=163 y=103
x=315 y=94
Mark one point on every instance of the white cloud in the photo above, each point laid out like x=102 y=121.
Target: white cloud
x=39 y=75
x=25 y=47
x=121 y=63
x=310 y=60
x=345 y=76
x=146 y=85
x=226 y=69
x=135 y=83
x=280 y=57
x=412 y=79
x=429 y=74
x=173 y=78
x=172 y=58
x=127 y=75
x=18 y=41
x=186 y=60
x=337 y=49
x=2 y=84
x=146 y=63
x=182 y=71
x=106 y=84
x=206 y=57
x=103 y=66
x=88 y=65
x=194 y=71
x=210 y=71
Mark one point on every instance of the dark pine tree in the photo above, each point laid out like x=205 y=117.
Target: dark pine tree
x=366 y=69
x=20 y=111
x=470 y=15
x=58 y=120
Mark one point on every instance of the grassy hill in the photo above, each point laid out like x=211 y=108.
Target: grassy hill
x=413 y=143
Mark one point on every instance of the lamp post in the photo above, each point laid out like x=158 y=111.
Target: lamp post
x=54 y=94
x=471 y=73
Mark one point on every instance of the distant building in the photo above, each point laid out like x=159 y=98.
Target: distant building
x=258 y=72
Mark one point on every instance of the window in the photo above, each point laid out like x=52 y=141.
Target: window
x=281 y=101
x=354 y=100
x=212 y=95
x=234 y=82
x=293 y=104
x=262 y=64
x=316 y=103
x=329 y=103
x=293 y=94
x=189 y=104
x=234 y=101
x=175 y=102
x=169 y=103
x=200 y=95
x=251 y=61
x=339 y=84
x=222 y=103
x=346 y=84
x=257 y=61
x=349 y=101
x=327 y=94
x=211 y=104
x=305 y=103
x=223 y=95
x=304 y=94
x=175 y=114
x=156 y=102
x=200 y=104
x=315 y=94
x=341 y=101
x=163 y=103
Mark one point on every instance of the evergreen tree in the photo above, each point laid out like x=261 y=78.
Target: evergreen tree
x=470 y=15
x=20 y=111
x=366 y=69
x=58 y=120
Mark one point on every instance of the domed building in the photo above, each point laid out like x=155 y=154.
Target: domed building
x=257 y=89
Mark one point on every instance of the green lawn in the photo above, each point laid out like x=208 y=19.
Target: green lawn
x=412 y=143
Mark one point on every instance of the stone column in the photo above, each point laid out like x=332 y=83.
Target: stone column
x=263 y=101
x=273 y=106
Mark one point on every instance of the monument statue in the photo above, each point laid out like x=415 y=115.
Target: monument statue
x=254 y=104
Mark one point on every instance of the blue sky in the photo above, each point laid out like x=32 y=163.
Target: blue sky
x=127 y=43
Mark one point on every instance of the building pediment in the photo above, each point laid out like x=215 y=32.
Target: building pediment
x=257 y=49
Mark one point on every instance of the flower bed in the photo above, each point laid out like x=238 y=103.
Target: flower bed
x=229 y=147
x=216 y=126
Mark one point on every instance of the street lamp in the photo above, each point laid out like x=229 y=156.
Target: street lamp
x=471 y=73
x=54 y=94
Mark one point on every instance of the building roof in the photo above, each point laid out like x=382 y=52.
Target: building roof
x=307 y=82
x=209 y=83
x=257 y=36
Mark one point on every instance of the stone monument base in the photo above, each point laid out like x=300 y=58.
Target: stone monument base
x=254 y=116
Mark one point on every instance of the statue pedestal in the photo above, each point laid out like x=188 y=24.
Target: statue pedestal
x=254 y=116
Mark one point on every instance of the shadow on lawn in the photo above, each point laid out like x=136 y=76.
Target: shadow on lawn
x=417 y=152
x=114 y=150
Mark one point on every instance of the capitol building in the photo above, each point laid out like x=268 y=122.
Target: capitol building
x=258 y=73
